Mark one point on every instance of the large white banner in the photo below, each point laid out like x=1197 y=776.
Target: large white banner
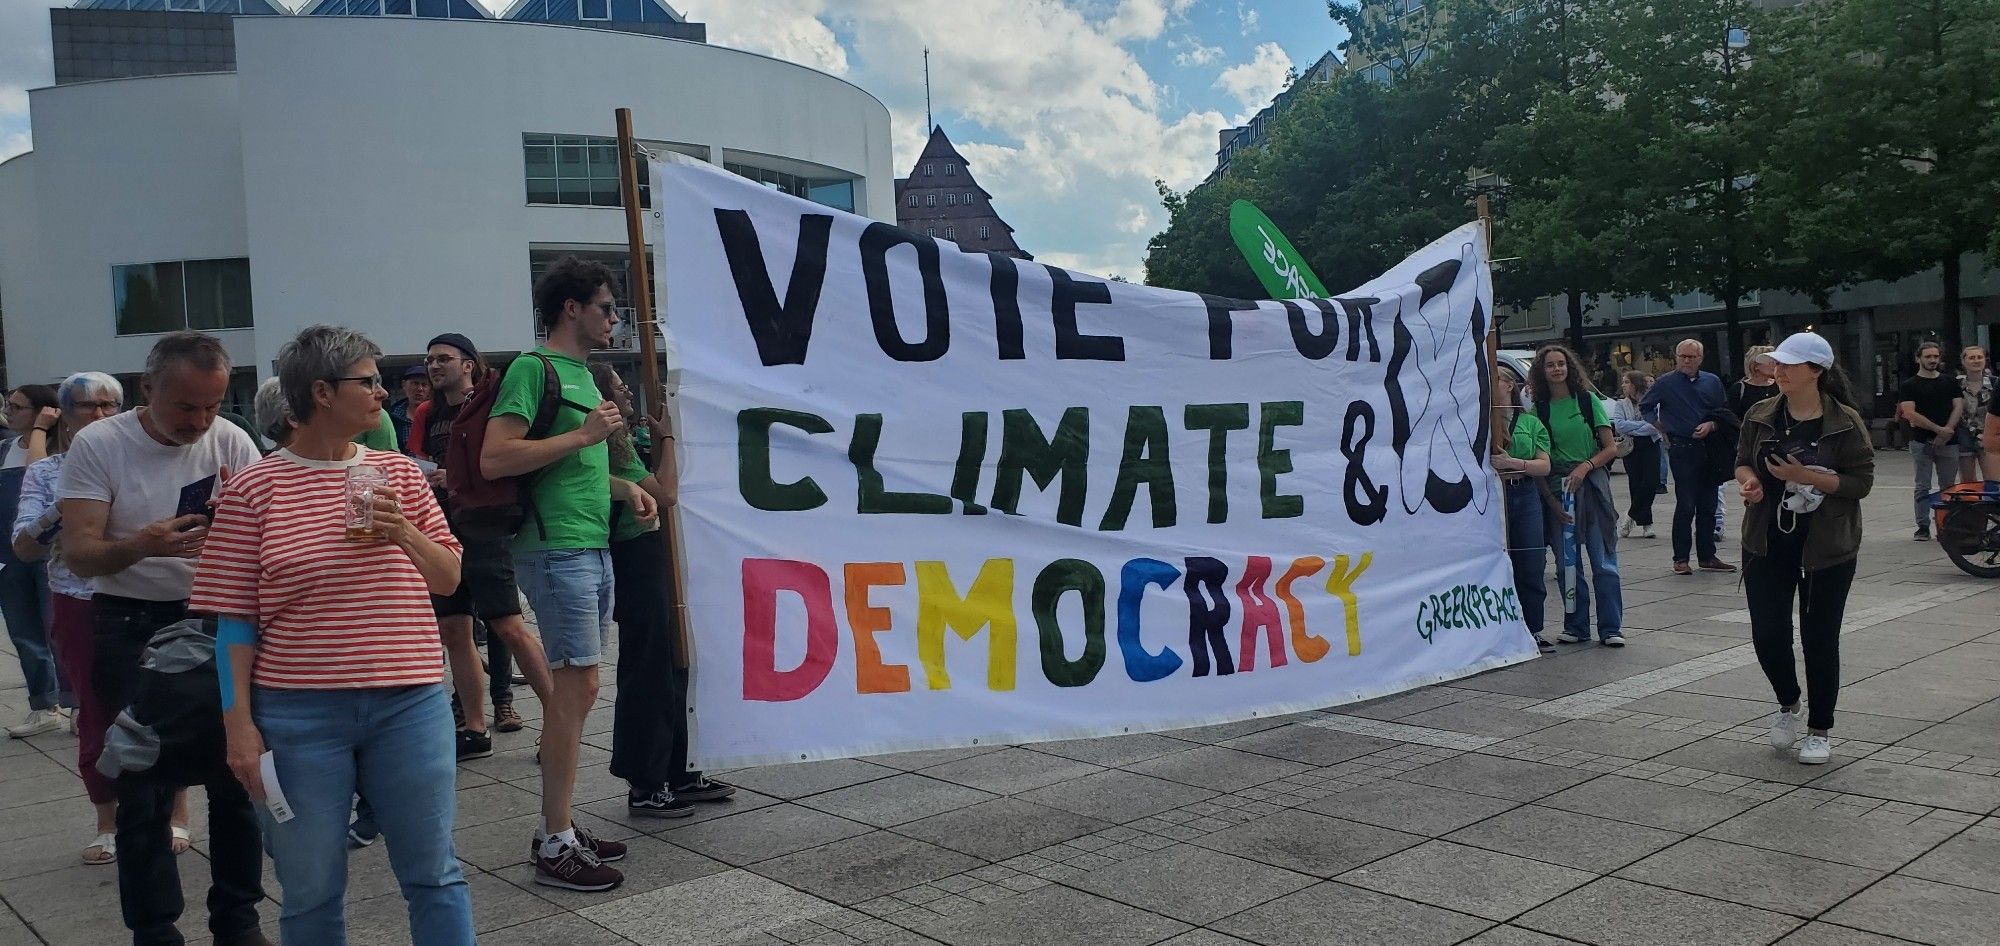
x=937 y=498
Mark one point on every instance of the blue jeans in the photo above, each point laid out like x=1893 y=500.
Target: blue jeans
x=1528 y=549
x=24 y=604
x=395 y=745
x=571 y=592
x=1603 y=558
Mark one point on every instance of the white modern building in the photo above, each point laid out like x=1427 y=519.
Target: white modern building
x=402 y=176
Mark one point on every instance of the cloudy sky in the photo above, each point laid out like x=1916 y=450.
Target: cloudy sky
x=1067 y=109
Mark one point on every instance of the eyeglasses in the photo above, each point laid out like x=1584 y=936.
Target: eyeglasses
x=19 y=407
x=370 y=381
x=440 y=359
x=95 y=405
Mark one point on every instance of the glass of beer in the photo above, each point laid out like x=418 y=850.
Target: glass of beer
x=362 y=480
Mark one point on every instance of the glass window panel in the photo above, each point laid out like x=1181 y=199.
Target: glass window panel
x=364 y=7
x=573 y=192
x=540 y=160
x=440 y=9
x=597 y=9
x=147 y=298
x=542 y=190
x=572 y=160
x=951 y=233
x=396 y=7
x=604 y=193
x=836 y=194
x=218 y=293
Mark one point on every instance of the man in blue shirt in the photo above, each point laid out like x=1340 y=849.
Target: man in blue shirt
x=1690 y=403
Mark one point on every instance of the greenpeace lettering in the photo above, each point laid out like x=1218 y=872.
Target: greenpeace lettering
x=933 y=498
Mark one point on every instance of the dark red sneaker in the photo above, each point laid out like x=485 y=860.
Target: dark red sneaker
x=605 y=850
x=575 y=868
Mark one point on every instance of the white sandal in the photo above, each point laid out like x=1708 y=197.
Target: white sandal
x=182 y=840
x=107 y=848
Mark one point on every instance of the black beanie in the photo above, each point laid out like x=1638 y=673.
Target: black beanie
x=457 y=341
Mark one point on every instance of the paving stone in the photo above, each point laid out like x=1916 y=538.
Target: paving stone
x=1411 y=808
x=1626 y=742
x=652 y=864
x=1826 y=934
x=1869 y=727
x=1514 y=936
x=1010 y=771
x=896 y=800
x=1223 y=732
x=1481 y=720
x=1218 y=768
x=497 y=802
x=1612 y=912
x=1310 y=744
x=1498 y=777
x=1832 y=836
x=1467 y=879
x=1722 y=709
x=800 y=779
x=1917 y=785
x=857 y=869
x=1772 y=880
x=1309 y=843
x=1971 y=859
x=1052 y=916
x=1115 y=750
x=1653 y=804
x=614 y=810
x=1000 y=829
x=1568 y=838
x=1336 y=914
x=1752 y=760
x=1206 y=938
x=765 y=833
x=925 y=758
x=1405 y=704
x=1116 y=796
x=1924 y=911
x=713 y=909
x=566 y=929
x=1958 y=737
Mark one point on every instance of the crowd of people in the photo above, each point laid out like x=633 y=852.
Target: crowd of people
x=346 y=578
x=1789 y=433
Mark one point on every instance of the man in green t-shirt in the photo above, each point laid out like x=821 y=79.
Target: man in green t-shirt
x=560 y=557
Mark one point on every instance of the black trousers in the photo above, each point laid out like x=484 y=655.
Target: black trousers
x=149 y=883
x=649 y=733
x=1642 y=475
x=1694 y=499
x=1771 y=583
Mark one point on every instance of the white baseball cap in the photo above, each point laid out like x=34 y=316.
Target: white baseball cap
x=1800 y=349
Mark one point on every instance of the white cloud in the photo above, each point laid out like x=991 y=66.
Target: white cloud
x=13 y=143
x=1191 y=52
x=793 y=30
x=26 y=62
x=1247 y=17
x=1254 y=83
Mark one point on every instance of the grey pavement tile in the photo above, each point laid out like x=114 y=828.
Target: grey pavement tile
x=1218 y=768
x=1205 y=938
x=1117 y=796
x=1311 y=745
x=1875 y=843
x=28 y=821
x=1784 y=883
x=1827 y=934
x=1869 y=727
x=1972 y=859
x=1468 y=879
x=1924 y=911
x=1223 y=732
x=567 y=929
x=614 y=810
x=1192 y=884
x=496 y=802
x=764 y=833
x=1751 y=760
x=13 y=932
x=1564 y=837
x=925 y=758
x=1548 y=684
x=1722 y=709
x=1498 y=777
x=799 y=779
x=1913 y=693
x=1917 y=785
x=1404 y=704
x=1957 y=738
x=1411 y=808
x=511 y=765
x=48 y=852
x=720 y=908
x=1985 y=714
x=1481 y=720
x=495 y=905
x=497 y=844
x=1744 y=683
x=1114 y=750
x=1336 y=914
x=652 y=864
x=1052 y=916
x=895 y=800
x=24 y=768
x=1309 y=843
x=1002 y=828
x=1514 y=936
x=1612 y=912
x=1613 y=739
x=862 y=868
x=1010 y=771
x=1654 y=804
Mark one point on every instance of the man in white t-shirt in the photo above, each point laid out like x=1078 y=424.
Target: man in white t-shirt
x=127 y=493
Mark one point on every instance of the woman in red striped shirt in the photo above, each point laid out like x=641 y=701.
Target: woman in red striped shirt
x=329 y=653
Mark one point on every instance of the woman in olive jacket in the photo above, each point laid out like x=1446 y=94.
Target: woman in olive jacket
x=1803 y=463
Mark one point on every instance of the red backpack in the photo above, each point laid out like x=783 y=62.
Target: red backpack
x=485 y=508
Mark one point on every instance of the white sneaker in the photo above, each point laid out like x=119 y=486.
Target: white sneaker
x=1816 y=751
x=1646 y=532
x=38 y=722
x=1784 y=729
x=1625 y=528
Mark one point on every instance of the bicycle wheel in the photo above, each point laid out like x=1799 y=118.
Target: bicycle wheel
x=1971 y=539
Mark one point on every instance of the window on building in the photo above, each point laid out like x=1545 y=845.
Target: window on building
x=577 y=171
x=913 y=200
x=594 y=10
x=397 y=8
x=930 y=200
x=968 y=197
x=929 y=171
x=985 y=232
x=951 y=170
x=152 y=298
x=184 y=6
x=837 y=193
x=951 y=233
x=930 y=231
x=615 y=258
x=951 y=200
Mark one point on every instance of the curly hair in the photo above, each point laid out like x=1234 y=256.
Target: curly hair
x=1538 y=379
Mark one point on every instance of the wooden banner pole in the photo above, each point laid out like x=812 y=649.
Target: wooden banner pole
x=1492 y=353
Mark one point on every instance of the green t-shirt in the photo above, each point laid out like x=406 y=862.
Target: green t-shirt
x=1530 y=440
x=628 y=525
x=1571 y=438
x=572 y=496
x=383 y=437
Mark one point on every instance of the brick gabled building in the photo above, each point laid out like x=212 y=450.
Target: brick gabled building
x=940 y=199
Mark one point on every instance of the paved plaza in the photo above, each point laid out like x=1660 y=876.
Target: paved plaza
x=1613 y=797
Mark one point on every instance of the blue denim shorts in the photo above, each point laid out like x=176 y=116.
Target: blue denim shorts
x=570 y=591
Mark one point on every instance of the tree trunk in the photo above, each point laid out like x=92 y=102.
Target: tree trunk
x=1732 y=333
x=1948 y=334
x=1576 y=322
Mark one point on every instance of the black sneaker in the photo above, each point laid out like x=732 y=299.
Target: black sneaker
x=704 y=789
x=660 y=804
x=474 y=745
x=1923 y=535
x=1544 y=645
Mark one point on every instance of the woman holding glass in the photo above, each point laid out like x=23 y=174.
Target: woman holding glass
x=319 y=567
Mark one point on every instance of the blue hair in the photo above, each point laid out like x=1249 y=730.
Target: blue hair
x=88 y=384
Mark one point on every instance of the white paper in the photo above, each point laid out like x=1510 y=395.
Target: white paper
x=274 y=796
x=425 y=465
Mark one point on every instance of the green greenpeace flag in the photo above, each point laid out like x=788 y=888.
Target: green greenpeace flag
x=1278 y=266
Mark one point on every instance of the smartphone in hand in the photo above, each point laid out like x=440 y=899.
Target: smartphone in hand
x=195 y=497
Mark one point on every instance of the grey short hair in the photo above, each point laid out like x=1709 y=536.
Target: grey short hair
x=89 y=384
x=319 y=353
x=197 y=350
x=274 y=413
